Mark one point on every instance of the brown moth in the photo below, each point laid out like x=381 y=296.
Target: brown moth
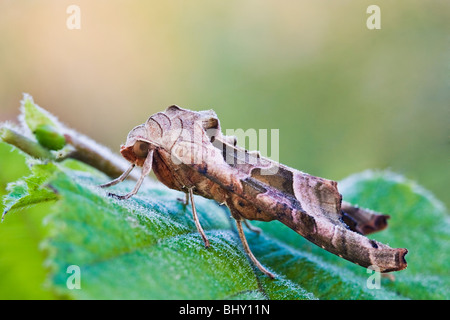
x=188 y=152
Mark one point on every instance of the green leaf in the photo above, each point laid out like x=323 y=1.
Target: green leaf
x=49 y=137
x=34 y=116
x=42 y=124
x=148 y=247
x=418 y=222
x=21 y=260
x=29 y=191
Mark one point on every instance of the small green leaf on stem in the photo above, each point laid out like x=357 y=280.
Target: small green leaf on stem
x=49 y=137
x=45 y=127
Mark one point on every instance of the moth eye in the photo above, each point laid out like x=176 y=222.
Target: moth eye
x=140 y=149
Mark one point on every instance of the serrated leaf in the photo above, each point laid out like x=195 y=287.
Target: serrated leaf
x=29 y=190
x=418 y=222
x=42 y=124
x=35 y=116
x=21 y=261
x=148 y=247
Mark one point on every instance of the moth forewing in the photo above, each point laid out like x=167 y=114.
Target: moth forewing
x=309 y=205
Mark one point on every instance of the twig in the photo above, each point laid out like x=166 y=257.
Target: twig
x=25 y=144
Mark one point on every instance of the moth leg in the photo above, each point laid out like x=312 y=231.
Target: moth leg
x=146 y=168
x=122 y=177
x=197 y=222
x=252 y=228
x=249 y=252
x=237 y=216
x=185 y=202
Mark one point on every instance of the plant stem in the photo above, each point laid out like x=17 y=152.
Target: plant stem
x=25 y=144
x=78 y=147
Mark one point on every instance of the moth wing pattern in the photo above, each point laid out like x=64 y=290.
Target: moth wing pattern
x=309 y=205
x=191 y=152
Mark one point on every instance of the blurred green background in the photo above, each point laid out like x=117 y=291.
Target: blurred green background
x=344 y=98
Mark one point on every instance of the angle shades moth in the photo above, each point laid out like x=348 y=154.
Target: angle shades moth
x=188 y=152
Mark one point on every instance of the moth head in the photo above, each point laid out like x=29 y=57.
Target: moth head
x=136 y=149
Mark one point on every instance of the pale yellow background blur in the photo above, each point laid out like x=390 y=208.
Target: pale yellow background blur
x=345 y=98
